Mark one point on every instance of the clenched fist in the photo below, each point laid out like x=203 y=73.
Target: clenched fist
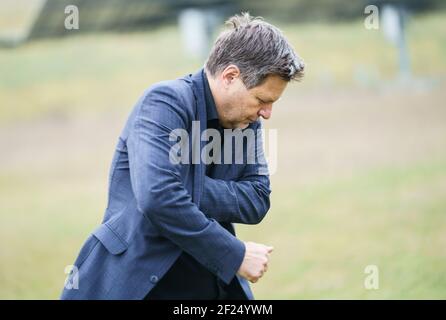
x=255 y=262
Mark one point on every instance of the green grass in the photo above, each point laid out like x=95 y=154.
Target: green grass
x=44 y=221
x=325 y=235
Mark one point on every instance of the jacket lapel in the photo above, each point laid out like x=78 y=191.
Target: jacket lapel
x=200 y=115
x=199 y=169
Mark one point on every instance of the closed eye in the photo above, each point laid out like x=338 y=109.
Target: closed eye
x=265 y=101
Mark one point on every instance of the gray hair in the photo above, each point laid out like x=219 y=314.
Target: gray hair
x=257 y=48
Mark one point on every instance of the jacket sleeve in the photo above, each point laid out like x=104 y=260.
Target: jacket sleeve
x=245 y=200
x=160 y=192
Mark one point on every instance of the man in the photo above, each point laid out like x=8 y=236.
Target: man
x=167 y=232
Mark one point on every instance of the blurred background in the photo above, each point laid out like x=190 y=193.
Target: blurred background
x=361 y=172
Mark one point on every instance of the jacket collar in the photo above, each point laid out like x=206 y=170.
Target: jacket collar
x=211 y=109
x=198 y=88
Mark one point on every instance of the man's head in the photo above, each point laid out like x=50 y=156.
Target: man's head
x=248 y=68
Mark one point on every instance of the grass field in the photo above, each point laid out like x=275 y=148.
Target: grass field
x=361 y=178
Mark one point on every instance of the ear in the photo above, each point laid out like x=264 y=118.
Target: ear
x=229 y=74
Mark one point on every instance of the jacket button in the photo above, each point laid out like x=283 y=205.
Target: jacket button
x=154 y=279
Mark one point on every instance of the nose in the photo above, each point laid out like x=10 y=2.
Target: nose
x=266 y=111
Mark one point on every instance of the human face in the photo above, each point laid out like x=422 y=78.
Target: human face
x=243 y=106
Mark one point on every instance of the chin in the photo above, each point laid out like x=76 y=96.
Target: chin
x=236 y=125
x=243 y=125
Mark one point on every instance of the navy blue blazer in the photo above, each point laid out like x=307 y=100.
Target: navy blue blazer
x=157 y=209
